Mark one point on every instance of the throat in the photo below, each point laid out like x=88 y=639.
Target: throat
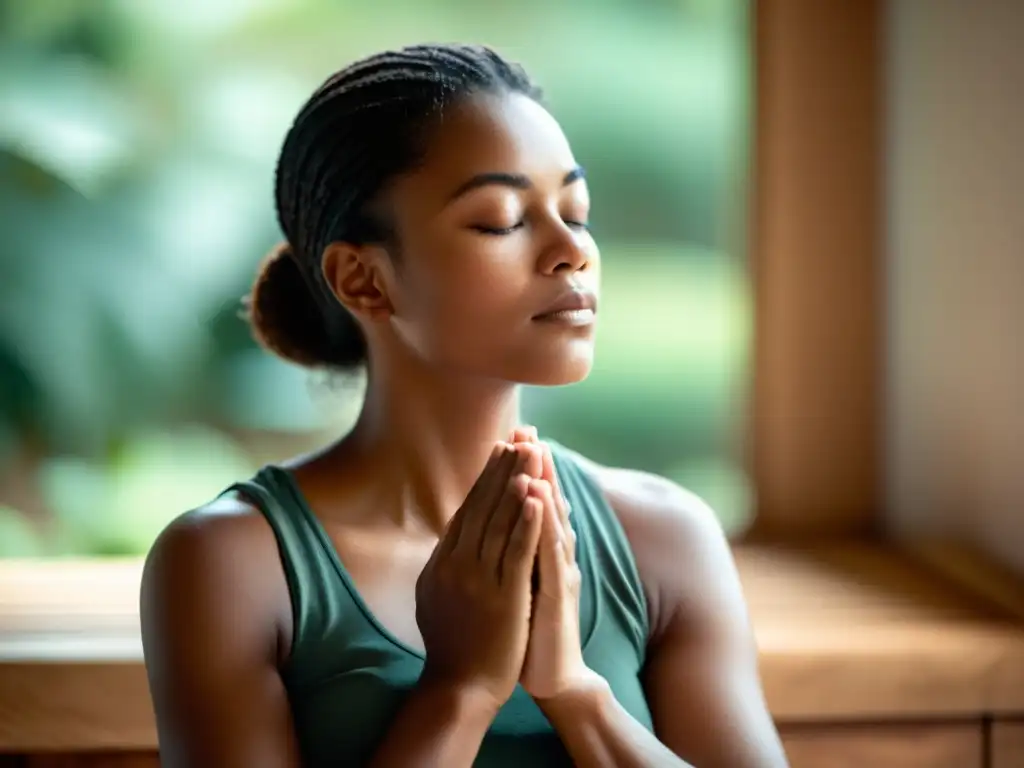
x=426 y=447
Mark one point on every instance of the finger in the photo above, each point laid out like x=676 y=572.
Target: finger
x=490 y=485
x=521 y=552
x=551 y=551
x=531 y=451
x=561 y=504
x=533 y=459
x=530 y=433
x=525 y=433
x=496 y=537
x=520 y=435
x=480 y=488
x=450 y=537
x=474 y=514
x=548 y=473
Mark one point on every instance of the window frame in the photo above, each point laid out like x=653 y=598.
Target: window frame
x=816 y=259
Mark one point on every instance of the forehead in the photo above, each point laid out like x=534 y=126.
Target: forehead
x=510 y=133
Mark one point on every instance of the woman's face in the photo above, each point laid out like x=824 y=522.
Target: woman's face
x=494 y=241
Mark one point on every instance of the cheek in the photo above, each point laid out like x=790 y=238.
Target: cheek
x=468 y=300
x=483 y=292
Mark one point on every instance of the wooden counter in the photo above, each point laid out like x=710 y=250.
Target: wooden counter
x=868 y=655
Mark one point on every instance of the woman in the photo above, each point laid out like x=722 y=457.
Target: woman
x=440 y=587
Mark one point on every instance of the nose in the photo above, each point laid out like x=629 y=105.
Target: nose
x=568 y=251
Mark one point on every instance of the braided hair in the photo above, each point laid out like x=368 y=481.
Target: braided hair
x=366 y=124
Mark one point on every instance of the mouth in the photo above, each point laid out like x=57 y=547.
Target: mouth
x=568 y=317
x=574 y=307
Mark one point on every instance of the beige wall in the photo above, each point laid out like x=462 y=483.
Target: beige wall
x=956 y=264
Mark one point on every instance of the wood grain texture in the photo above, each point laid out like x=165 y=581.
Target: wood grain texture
x=975 y=570
x=1007 y=746
x=860 y=632
x=55 y=707
x=886 y=746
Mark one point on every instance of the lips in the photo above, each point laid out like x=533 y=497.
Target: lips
x=574 y=302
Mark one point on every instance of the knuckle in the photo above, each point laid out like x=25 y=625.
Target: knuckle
x=518 y=485
x=574 y=577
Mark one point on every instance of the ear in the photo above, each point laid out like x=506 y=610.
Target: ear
x=358 y=277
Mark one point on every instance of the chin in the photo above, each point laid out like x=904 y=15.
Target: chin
x=570 y=368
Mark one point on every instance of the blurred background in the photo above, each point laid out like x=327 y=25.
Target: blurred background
x=137 y=146
x=852 y=368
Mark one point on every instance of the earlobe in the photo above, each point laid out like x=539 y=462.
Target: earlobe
x=355 y=277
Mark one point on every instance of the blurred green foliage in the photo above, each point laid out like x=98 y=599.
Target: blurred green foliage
x=137 y=143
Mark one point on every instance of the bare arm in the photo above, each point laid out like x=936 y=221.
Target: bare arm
x=210 y=607
x=438 y=726
x=701 y=678
x=599 y=733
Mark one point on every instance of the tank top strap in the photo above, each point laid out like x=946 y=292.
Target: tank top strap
x=618 y=588
x=321 y=602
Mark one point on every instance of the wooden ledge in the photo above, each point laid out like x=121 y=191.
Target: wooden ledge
x=848 y=633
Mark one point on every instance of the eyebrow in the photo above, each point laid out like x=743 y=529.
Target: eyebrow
x=514 y=180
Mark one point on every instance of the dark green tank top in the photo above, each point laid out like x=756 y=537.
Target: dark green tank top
x=347 y=675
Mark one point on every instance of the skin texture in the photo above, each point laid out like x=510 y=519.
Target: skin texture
x=451 y=332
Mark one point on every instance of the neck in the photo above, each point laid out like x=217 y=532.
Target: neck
x=428 y=434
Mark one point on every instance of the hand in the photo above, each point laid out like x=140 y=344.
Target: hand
x=542 y=467
x=554 y=666
x=473 y=596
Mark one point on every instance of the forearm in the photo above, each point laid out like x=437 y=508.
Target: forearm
x=438 y=725
x=599 y=733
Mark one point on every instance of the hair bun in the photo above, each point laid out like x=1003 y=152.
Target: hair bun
x=287 y=320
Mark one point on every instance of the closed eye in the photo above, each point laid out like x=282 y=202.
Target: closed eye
x=582 y=226
x=496 y=231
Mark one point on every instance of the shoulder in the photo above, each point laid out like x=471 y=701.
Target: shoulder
x=215 y=632
x=215 y=563
x=227 y=535
x=681 y=550
x=663 y=517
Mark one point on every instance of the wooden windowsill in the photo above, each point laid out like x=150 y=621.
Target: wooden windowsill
x=847 y=633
